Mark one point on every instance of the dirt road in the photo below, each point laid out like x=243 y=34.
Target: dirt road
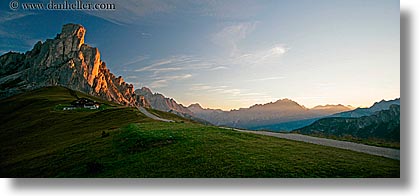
x=150 y=115
x=373 y=150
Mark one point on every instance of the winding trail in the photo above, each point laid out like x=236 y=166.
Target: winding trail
x=152 y=116
x=373 y=150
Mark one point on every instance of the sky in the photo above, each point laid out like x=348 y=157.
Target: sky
x=230 y=54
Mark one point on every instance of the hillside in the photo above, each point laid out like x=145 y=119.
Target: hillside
x=38 y=139
x=382 y=128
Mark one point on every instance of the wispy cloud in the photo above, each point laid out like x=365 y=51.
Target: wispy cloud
x=261 y=56
x=184 y=63
x=136 y=60
x=231 y=35
x=166 y=69
x=158 y=84
x=232 y=9
x=177 y=77
x=10 y=16
x=200 y=87
x=130 y=11
x=146 y=35
x=164 y=81
x=164 y=72
x=266 y=79
x=218 y=68
x=157 y=64
x=230 y=93
x=179 y=63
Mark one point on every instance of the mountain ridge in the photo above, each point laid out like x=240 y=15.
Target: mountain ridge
x=282 y=110
x=377 y=106
x=160 y=102
x=317 y=107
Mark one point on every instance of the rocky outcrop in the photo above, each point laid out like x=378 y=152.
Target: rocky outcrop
x=159 y=102
x=64 y=61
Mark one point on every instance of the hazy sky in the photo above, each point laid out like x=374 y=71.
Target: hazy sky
x=235 y=53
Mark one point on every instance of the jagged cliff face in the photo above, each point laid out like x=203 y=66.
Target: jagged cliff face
x=64 y=61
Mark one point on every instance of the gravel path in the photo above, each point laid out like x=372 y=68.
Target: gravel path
x=150 y=115
x=373 y=150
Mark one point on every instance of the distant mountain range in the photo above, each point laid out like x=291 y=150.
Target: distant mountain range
x=383 y=124
x=283 y=110
x=256 y=115
x=358 y=112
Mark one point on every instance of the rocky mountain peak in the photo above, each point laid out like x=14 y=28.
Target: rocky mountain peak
x=73 y=36
x=73 y=31
x=146 y=90
x=286 y=101
x=65 y=61
x=195 y=106
x=384 y=104
x=281 y=104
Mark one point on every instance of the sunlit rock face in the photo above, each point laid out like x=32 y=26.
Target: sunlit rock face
x=64 y=61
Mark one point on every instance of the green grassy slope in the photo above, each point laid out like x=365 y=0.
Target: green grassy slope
x=37 y=140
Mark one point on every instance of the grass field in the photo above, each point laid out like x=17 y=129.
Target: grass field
x=370 y=141
x=37 y=140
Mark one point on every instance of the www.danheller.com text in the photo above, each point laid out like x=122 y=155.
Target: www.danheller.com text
x=62 y=5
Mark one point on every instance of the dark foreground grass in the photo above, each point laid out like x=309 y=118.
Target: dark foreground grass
x=39 y=141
